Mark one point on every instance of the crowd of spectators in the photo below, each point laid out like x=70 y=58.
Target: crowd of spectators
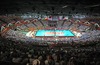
x=20 y=53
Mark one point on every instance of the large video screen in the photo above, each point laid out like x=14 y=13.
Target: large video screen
x=54 y=33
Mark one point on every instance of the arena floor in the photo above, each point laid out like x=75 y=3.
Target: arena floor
x=66 y=33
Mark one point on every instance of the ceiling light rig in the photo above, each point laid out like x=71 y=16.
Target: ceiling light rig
x=92 y=6
x=65 y=6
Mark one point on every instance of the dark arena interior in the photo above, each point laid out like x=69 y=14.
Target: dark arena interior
x=49 y=32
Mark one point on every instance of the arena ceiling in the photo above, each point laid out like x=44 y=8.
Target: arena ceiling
x=49 y=6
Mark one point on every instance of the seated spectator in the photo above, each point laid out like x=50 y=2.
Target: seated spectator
x=36 y=61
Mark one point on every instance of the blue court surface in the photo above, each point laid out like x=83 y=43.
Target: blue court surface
x=54 y=33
